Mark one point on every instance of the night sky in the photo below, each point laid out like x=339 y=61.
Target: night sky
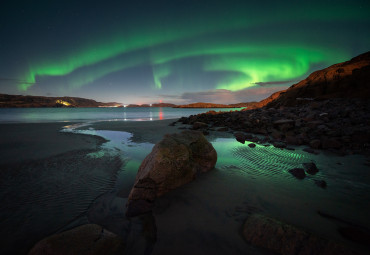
x=175 y=51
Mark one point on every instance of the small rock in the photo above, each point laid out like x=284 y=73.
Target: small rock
x=309 y=150
x=284 y=124
x=240 y=137
x=310 y=168
x=315 y=144
x=276 y=134
x=331 y=143
x=222 y=129
x=251 y=145
x=198 y=125
x=298 y=173
x=279 y=144
x=321 y=183
x=291 y=139
x=356 y=235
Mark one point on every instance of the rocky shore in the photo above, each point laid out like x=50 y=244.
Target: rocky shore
x=338 y=125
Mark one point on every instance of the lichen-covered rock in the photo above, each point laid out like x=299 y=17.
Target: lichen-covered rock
x=89 y=239
x=173 y=162
x=282 y=238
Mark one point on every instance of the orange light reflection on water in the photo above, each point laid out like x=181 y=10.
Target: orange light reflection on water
x=160 y=113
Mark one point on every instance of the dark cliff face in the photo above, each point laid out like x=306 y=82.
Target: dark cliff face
x=8 y=101
x=350 y=79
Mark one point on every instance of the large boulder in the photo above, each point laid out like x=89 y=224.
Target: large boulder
x=283 y=238
x=86 y=239
x=173 y=162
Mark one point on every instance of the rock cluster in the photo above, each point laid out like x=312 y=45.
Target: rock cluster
x=340 y=125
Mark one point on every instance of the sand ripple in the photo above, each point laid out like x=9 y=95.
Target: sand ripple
x=46 y=194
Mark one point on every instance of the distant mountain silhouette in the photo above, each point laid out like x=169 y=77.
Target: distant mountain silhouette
x=152 y=105
x=8 y=101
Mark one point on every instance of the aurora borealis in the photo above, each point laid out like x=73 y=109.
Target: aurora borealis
x=140 y=52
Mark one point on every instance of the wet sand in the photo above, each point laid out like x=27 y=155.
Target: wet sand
x=29 y=141
x=47 y=181
x=71 y=178
x=143 y=131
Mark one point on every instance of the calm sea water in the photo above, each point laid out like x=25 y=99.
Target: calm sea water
x=35 y=115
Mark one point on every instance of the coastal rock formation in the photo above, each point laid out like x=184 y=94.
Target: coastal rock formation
x=344 y=128
x=282 y=238
x=173 y=162
x=329 y=110
x=87 y=239
x=349 y=79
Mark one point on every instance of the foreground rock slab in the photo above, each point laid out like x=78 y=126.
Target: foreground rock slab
x=282 y=238
x=86 y=239
x=173 y=162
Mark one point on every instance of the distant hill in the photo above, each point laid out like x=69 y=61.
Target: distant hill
x=350 y=79
x=152 y=105
x=8 y=101
x=210 y=105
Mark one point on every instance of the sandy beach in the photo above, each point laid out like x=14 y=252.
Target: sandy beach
x=53 y=181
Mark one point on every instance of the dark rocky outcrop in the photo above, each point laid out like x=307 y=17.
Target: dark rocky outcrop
x=320 y=183
x=90 y=239
x=282 y=238
x=173 y=162
x=331 y=113
x=349 y=79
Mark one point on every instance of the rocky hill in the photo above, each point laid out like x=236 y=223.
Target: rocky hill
x=350 y=79
x=9 y=101
x=152 y=105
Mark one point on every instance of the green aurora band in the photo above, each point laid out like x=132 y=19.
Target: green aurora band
x=248 y=62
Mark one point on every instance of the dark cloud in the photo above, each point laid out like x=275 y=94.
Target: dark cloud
x=224 y=96
x=15 y=81
x=271 y=83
